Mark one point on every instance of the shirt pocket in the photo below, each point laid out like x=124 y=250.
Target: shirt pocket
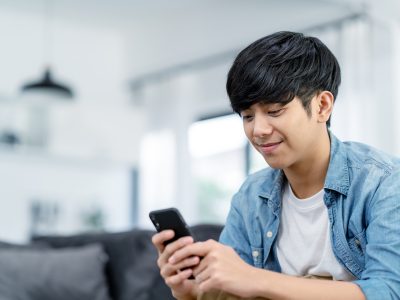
x=358 y=244
x=257 y=255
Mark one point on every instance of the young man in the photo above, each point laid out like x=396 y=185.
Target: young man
x=324 y=209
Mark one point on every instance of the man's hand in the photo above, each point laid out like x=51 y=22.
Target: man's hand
x=178 y=281
x=221 y=268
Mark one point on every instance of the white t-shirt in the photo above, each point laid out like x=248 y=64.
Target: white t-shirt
x=303 y=244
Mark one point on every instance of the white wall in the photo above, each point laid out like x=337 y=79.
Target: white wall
x=91 y=143
x=76 y=186
x=92 y=62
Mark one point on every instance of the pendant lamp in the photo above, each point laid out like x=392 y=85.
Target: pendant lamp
x=46 y=85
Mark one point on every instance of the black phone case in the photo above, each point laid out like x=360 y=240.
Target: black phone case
x=170 y=218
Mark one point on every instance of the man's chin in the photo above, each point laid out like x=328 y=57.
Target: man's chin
x=275 y=164
x=276 y=167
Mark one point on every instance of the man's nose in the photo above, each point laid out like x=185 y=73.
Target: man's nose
x=262 y=126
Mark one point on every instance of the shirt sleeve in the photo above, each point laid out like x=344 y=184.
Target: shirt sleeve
x=234 y=233
x=381 y=277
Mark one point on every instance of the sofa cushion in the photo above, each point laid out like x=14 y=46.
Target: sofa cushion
x=38 y=245
x=48 y=274
x=131 y=268
x=203 y=232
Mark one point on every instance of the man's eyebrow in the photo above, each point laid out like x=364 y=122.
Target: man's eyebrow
x=244 y=111
x=246 y=108
x=282 y=105
x=274 y=104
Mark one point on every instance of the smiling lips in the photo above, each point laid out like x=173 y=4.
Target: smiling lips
x=268 y=148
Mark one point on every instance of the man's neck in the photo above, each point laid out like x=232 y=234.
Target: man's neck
x=308 y=177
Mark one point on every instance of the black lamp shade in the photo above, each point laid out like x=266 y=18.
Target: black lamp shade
x=47 y=84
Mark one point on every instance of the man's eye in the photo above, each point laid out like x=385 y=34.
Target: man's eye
x=275 y=113
x=247 y=117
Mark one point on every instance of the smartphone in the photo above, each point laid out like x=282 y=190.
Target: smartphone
x=170 y=218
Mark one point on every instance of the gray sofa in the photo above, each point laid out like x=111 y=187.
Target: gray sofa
x=92 y=266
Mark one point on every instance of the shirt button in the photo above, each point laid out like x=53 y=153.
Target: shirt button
x=269 y=234
x=255 y=254
x=357 y=242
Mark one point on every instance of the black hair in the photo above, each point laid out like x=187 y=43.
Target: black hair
x=280 y=66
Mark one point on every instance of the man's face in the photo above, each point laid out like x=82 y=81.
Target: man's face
x=285 y=135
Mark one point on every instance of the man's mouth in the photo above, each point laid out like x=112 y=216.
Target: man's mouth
x=268 y=148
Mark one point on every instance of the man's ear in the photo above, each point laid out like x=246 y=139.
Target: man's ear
x=325 y=101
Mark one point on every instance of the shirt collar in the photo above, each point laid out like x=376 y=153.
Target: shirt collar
x=337 y=177
x=272 y=190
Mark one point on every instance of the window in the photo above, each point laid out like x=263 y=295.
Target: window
x=217 y=147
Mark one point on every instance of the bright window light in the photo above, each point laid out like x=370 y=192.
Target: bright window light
x=216 y=135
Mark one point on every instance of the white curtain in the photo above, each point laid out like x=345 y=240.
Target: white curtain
x=366 y=108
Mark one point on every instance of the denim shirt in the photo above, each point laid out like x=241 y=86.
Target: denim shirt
x=362 y=196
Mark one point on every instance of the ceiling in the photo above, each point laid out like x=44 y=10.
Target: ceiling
x=178 y=31
x=198 y=28
x=121 y=13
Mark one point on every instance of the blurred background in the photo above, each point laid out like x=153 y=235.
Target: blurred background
x=109 y=109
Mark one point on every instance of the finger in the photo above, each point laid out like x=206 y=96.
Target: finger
x=171 y=248
x=159 y=238
x=189 y=262
x=167 y=270
x=201 y=266
x=202 y=277
x=197 y=249
x=178 y=278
